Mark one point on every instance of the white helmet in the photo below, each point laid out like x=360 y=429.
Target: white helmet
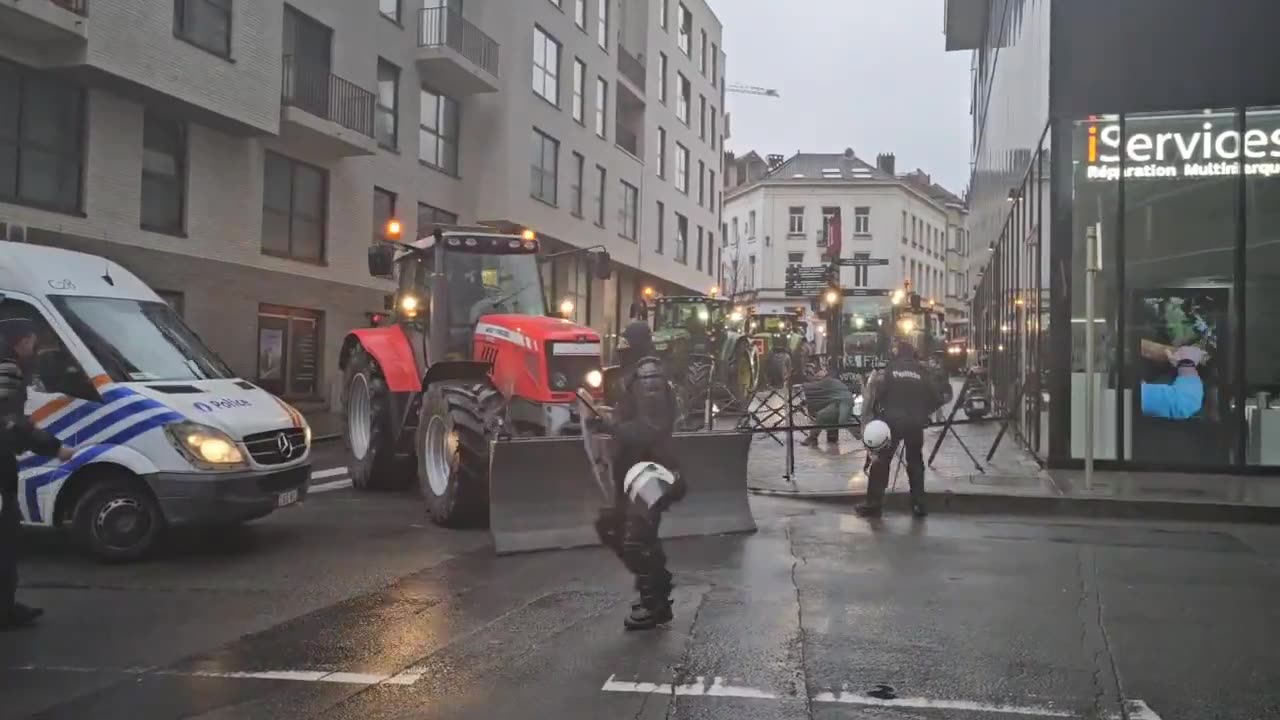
x=876 y=435
x=647 y=483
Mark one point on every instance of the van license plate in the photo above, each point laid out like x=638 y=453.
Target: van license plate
x=288 y=498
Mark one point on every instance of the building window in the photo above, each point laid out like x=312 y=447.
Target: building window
x=682 y=103
x=662 y=152
x=684 y=30
x=388 y=104
x=602 y=24
x=438 y=131
x=736 y=236
x=662 y=13
x=602 y=179
x=711 y=253
x=630 y=210
x=751 y=270
x=579 y=90
x=715 y=64
x=204 y=23
x=682 y=239
x=546 y=66
x=698 y=259
x=702 y=117
x=702 y=54
x=384 y=208
x=294 y=208
x=428 y=216
x=662 y=227
x=796 y=225
x=682 y=168
x=575 y=190
x=751 y=225
x=713 y=127
x=702 y=183
x=41 y=140
x=390 y=9
x=174 y=300
x=795 y=258
x=904 y=227
x=711 y=181
x=862 y=221
x=289 y=350
x=662 y=78
x=580 y=14
x=602 y=100
x=861 y=273
x=545 y=167
x=164 y=174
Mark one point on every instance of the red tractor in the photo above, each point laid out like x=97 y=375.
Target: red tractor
x=468 y=350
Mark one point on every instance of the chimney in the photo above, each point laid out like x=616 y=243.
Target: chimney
x=848 y=153
x=886 y=162
x=773 y=161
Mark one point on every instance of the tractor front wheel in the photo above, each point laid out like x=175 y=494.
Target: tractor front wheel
x=742 y=373
x=367 y=426
x=453 y=451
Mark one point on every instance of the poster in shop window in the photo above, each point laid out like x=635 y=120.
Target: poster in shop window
x=270 y=354
x=1181 y=351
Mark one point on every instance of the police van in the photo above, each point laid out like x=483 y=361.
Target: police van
x=165 y=434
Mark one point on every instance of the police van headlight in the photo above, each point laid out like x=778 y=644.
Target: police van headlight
x=594 y=379
x=205 y=446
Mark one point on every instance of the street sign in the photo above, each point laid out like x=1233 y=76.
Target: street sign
x=861 y=262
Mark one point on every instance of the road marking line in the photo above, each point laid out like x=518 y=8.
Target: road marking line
x=1136 y=709
x=331 y=472
x=407 y=677
x=847 y=698
x=329 y=486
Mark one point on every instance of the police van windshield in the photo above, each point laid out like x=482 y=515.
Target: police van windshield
x=140 y=341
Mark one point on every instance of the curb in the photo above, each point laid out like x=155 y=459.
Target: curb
x=978 y=504
x=326 y=438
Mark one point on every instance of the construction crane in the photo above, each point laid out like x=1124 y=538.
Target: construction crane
x=751 y=90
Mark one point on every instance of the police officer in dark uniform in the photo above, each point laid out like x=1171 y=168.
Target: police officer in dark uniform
x=17 y=435
x=642 y=426
x=905 y=398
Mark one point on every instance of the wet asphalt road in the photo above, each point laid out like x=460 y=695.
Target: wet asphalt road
x=352 y=607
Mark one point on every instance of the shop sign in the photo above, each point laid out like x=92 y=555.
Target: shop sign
x=1208 y=152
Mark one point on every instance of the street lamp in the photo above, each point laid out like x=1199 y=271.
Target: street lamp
x=393 y=229
x=566 y=307
x=831 y=297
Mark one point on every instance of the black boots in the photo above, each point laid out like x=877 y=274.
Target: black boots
x=19 y=616
x=645 y=618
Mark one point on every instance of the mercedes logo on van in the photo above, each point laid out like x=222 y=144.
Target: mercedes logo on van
x=284 y=445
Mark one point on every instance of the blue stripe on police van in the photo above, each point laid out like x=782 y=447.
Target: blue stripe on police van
x=83 y=457
x=72 y=416
x=98 y=425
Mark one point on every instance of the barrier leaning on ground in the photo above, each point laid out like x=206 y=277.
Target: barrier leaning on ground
x=543 y=494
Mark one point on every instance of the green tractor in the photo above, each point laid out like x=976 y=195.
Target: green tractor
x=689 y=332
x=782 y=339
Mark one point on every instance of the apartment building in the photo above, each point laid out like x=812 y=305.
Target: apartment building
x=241 y=156
x=788 y=216
x=957 y=287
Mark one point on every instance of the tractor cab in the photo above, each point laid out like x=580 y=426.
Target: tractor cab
x=782 y=339
x=694 y=322
x=700 y=339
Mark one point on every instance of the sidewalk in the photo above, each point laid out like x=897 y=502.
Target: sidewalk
x=1012 y=483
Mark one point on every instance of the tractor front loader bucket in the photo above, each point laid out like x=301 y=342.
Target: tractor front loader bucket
x=545 y=495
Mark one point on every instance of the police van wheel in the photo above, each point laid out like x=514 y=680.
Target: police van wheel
x=453 y=452
x=117 y=519
x=367 y=426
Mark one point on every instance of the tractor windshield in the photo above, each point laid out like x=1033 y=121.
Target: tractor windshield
x=486 y=284
x=689 y=314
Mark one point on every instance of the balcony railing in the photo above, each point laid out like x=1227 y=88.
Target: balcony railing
x=316 y=90
x=627 y=140
x=79 y=7
x=442 y=27
x=631 y=68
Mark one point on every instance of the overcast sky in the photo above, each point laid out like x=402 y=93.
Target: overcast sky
x=867 y=74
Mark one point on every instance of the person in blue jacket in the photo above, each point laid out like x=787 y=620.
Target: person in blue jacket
x=1184 y=397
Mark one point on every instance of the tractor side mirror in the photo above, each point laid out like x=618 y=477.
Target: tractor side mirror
x=603 y=265
x=382 y=260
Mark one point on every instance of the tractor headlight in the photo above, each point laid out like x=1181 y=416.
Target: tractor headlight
x=205 y=446
x=594 y=379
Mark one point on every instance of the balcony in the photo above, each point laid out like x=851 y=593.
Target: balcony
x=45 y=24
x=320 y=110
x=627 y=140
x=459 y=59
x=632 y=69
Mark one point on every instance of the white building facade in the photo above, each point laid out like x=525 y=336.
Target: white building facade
x=782 y=220
x=241 y=156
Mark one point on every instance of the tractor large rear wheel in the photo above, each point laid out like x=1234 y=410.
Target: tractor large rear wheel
x=742 y=374
x=367 y=426
x=453 y=451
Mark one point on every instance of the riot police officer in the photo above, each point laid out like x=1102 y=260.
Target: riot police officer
x=904 y=396
x=17 y=435
x=642 y=426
